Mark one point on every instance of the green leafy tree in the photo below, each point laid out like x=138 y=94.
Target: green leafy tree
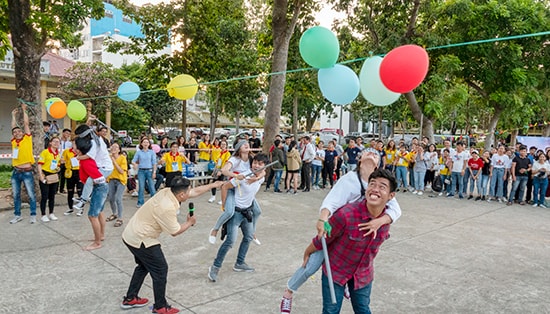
x=99 y=82
x=33 y=25
x=508 y=74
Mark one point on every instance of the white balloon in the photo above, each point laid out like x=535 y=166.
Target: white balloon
x=372 y=88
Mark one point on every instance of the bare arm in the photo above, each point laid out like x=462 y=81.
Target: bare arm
x=191 y=220
x=204 y=188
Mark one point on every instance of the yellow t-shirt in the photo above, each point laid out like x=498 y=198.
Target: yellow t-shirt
x=158 y=214
x=402 y=161
x=204 y=154
x=23 y=150
x=216 y=153
x=174 y=163
x=390 y=155
x=49 y=160
x=122 y=177
x=224 y=157
x=444 y=170
x=68 y=156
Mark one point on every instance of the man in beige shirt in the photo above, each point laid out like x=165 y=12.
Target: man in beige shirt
x=157 y=215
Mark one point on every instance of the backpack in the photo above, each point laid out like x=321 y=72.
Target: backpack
x=437 y=185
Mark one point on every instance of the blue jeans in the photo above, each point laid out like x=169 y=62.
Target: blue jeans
x=419 y=180
x=360 y=299
x=278 y=174
x=316 y=174
x=539 y=190
x=233 y=225
x=116 y=190
x=498 y=174
x=98 y=198
x=89 y=185
x=27 y=179
x=401 y=176
x=457 y=177
x=145 y=177
x=302 y=274
x=229 y=210
x=465 y=180
x=520 y=182
x=476 y=182
x=484 y=181
x=446 y=187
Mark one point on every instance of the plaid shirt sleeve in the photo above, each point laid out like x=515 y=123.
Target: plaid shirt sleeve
x=351 y=253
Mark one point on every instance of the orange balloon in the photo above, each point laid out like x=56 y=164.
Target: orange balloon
x=58 y=110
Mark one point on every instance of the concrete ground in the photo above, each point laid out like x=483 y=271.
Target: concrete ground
x=444 y=256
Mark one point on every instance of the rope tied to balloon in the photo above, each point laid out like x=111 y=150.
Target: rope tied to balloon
x=381 y=81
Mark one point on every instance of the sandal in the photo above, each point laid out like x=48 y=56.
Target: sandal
x=111 y=218
x=118 y=223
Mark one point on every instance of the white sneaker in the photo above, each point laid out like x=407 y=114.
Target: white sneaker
x=80 y=212
x=257 y=241
x=45 y=219
x=135 y=194
x=33 y=220
x=428 y=187
x=211 y=238
x=440 y=194
x=415 y=192
x=16 y=219
x=420 y=193
x=535 y=205
x=219 y=202
x=211 y=199
x=52 y=217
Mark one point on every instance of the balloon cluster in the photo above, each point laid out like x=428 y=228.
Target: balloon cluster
x=381 y=80
x=182 y=87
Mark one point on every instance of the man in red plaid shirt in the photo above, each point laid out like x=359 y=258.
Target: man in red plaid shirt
x=352 y=254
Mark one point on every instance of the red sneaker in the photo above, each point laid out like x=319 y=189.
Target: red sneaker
x=166 y=310
x=135 y=302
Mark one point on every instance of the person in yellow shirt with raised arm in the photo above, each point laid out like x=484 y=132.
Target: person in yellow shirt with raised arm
x=401 y=163
x=22 y=161
x=173 y=162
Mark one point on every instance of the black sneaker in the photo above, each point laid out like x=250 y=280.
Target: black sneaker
x=470 y=197
x=478 y=198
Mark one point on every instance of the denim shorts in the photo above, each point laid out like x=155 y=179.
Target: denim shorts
x=98 y=198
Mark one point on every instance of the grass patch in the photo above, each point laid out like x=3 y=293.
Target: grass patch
x=5 y=179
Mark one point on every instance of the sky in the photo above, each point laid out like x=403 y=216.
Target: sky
x=325 y=17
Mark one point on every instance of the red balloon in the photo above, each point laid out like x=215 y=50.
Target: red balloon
x=404 y=68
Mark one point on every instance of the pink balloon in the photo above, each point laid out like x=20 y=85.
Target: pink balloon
x=404 y=68
x=155 y=148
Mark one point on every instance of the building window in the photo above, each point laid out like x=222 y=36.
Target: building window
x=126 y=19
x=109 y=14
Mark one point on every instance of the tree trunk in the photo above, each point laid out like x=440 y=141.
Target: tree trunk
x=490 y=138
x=427 y=124
x=27 y=52
x=214 y=115
x=546 y=131
x=294 y=114
x=513 y=137
x=282 y=32
x=380 y=127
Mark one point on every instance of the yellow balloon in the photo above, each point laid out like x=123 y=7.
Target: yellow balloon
x=182 y=87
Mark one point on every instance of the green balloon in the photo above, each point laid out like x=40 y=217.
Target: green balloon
x=76 y=110
x=319 y=47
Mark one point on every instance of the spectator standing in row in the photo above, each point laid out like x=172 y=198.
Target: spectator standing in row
x=331 y=158
x=485 y=174
x=191 y=149
x=308 y=154
x=63 y=146
x=255 y=142
x=540 y=180
x=277 y=155
x=498 y=174
x=475 y=166
x=205 y=149
x=292 y=168
x=390 y=154
x=48 y=169
x=432 y=161
x=317 y=165
x=521 y=166
x=352 y=151
x=145 y=160
x=419 y=169
x=340 y=157
x=460 y=163
x=117 y=184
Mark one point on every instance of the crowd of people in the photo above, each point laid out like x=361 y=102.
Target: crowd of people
x=363 y=181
